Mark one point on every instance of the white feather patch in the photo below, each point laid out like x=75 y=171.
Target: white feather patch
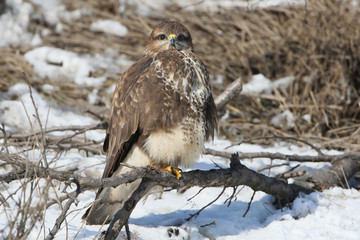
x=177 y=145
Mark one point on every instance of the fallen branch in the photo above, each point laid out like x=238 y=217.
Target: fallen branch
x=343 y=168
x=349 y=163
x=229 y=93
x=236 y=175
x=28 y=169
x=79 y=129
x=229 y=177
x=121 y=217
x=283 y=138
x=287 y=157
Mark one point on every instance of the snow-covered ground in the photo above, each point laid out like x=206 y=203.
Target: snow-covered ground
x=332 y=214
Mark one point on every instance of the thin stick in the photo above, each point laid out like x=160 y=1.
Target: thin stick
x=43 y=140
x=207 y=205
x=288 y=171
x=279 y=137
x=345 y=178
x=294 y=157
x=249 y=204
x=62 y=216
x=196 y=194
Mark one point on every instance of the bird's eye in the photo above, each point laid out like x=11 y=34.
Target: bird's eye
x=162 y=37
x=181 y=37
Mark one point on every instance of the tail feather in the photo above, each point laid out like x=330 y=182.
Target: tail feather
x=110 y=200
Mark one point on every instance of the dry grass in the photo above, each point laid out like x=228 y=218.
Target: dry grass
x=318 y=43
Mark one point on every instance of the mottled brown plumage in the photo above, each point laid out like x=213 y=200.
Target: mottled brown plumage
x=162 y=112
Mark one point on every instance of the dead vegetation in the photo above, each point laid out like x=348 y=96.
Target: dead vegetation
x=317 y=43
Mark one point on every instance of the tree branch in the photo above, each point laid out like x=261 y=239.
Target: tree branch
x=28 y=169
x=343 y=168
x=287 y=157
x=236 y=175
x=81 y=129
x=122 y=217
x=229 y=93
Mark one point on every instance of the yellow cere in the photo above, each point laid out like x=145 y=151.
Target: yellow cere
x=172 y=36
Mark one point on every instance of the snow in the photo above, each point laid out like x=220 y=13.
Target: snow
x=285 y=117
x=331 y=214
x=61 y=65
x=259 y=84
x=110 y=27
x=14 y=24
x=21 y=114
x=153 y=8
x=49 y=9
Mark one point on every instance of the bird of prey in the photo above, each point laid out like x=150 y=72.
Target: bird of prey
x=162 y=112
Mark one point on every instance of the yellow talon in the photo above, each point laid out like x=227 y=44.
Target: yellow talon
x=168 y=168
x=175 y=171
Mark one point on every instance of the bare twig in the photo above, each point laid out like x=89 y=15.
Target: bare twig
x=288 y=171
x=81 y=129
x=208 y=224
x=281 y=138
x=207 y=205
x=62 y=216
x=233 y=196
x=345 y=177
x=28 y=169
x=60 y=143
x=249 y=204
x=201 y=189
x=281 y=156
x=2 y=129
x=291 y=174
x=43 y=140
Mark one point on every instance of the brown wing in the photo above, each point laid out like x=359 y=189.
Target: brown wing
x=123 y=130
x=210 y=111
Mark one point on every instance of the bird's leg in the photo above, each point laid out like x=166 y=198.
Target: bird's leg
x=175 y=171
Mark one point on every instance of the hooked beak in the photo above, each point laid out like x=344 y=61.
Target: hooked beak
x=172 y=39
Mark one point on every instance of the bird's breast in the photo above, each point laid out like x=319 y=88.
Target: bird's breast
x=180 y=145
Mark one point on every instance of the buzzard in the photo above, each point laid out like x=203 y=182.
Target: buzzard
x=162 y=112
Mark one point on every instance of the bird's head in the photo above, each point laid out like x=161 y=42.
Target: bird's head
x=169 y=35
